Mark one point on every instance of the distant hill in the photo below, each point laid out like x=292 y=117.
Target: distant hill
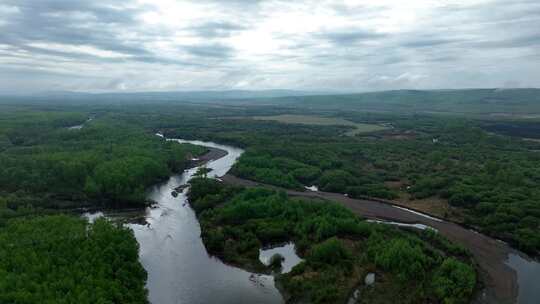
x=146 y=97
x=502 y=103
x=519 y=103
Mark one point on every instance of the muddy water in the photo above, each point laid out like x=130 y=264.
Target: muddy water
x=171 y=250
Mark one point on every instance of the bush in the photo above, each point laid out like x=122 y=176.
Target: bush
x=336 y=181
x=275 y=261
x=331 y=252
x=454 y=281
x=402 y=258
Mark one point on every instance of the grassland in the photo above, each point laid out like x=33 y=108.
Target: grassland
x=473 y=103
x=357 y=128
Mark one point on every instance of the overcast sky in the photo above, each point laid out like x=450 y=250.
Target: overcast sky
x=156 y=45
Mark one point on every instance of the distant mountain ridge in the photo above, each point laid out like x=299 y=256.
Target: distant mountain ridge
x=495 y=101
x=510 y=102
x=210 y=95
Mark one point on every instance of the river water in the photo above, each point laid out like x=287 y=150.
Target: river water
x=287 y=251
x=528 y=275
x=171 y=250
x=181 y=271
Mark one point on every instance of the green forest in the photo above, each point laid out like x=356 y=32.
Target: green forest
x=478 y=172
x=109 y=162
x=338 y=248
x=448 y=166
x=47 y=169
x=62 y=259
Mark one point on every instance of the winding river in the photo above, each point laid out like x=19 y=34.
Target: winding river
x=171 y=249
x=181 y=271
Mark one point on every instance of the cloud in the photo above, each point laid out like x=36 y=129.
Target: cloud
x=216 y=29
x=307 y=44
x=351 y=36
x=428 y=42
x=209 y=50
x=513 y=42
x=75 y=23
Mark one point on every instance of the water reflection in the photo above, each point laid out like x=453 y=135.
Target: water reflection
x=92 y=216
x=528 y=273
x=417 y=226
x=287 y=251
x=312 y=188
x=171 y=250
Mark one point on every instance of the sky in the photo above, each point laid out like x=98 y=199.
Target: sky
x=169 y=45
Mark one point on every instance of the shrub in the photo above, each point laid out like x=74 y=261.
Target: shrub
x=454 y=281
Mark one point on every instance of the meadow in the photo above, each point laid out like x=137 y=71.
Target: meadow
x=356 y=128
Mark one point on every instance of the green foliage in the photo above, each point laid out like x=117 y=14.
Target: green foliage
x=60 y=259
x=108 y=161
x=275 y=261
x=488 y=181
x=336 y=181
x=335 y=244
x=371 y=190
x=272 y=171
x=126 y=179
x=206 y=193
x=454 y=280
x=330 y=252
x=399 y=256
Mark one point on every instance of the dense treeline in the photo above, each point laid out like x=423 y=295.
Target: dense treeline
x=338 y=248
x=107 y=162
x=52 y=159
x=449 y=166
x=490 y=181
x=60 y=259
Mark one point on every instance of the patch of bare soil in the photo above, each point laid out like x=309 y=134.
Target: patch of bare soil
x=435 y=206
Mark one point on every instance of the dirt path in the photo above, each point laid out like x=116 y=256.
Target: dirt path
x=500 y=279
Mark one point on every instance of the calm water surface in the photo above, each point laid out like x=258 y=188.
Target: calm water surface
x=171 y=250
x=287 y=251
x=181 y=271
x=528 y=273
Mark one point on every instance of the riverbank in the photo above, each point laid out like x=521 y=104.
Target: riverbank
x=338 y=248
x=136 y=215
x=500 y=280
x=179 y=268
x=210 y=155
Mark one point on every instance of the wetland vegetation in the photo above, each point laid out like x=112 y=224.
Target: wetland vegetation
x=474 y=170
x=338 y=248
